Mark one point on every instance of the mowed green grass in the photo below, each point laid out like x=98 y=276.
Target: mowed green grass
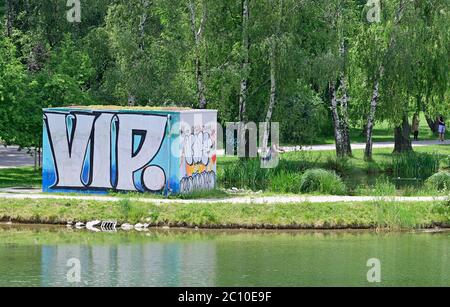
x=24 y=177
x=380 y=156
x=367 y=215
x=28 y=177
x=383 y=132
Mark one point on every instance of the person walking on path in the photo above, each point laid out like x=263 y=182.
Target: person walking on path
x=415 y=126
x=442 y=129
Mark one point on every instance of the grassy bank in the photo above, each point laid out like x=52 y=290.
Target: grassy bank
x=368 y=215
x=386 y=175
x=25 y=177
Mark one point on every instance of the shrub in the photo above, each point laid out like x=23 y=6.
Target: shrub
x=245 y=174
x=439 y=181
x=341 y=166
x=286 y=182
x=322 y=181
x=384 y=187
x=248 y=174
x=415 y=165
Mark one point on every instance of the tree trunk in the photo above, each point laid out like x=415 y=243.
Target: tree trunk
x=245 y=62
x=243 y=94
x=403 y=137
x=273 y=93
x=371 y=121
x=273 y=81
x=142 y=23
x=338 y=136
x=345 y=127
x=9 y=18
x=198 y=37
x=432 y=124
x=376 y=89
x=39 y=157
x=35 y=159
x=200 y=83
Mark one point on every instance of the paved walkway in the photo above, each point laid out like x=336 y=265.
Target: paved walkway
x=355 y=146
x=234 y=200
x=363 y=145
x=11 y=157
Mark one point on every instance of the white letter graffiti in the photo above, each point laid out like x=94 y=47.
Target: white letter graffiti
x=70 y=148
x=101 y=167
x=374 y=12
x=374 y=274
x=74 y=273
x=128 y=160
x=96 y=151
x=74 y=13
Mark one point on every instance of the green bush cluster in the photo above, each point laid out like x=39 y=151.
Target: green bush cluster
x=384 y=187
x=288 y=177
x=439 y=181
x=415 y=165
x=248 y=174
x=322 y=181
x=286 y=182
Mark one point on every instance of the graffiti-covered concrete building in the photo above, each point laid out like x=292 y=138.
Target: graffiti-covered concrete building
x=98 y=149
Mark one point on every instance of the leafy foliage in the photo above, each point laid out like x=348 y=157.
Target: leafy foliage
x=144 y=52
x=322 y=181
x=439 y=181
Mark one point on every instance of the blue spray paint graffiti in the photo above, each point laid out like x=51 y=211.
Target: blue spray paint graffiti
x=93 y=151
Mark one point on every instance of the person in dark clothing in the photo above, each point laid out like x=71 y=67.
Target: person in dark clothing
x=442 y=128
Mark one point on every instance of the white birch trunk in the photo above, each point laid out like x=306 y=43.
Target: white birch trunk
x=245 y=62
x=272 y=100
x=336 y=120
x=198 y=36
x=9 y=18
x=376 y=89
x=345 y=126
x=371 y=121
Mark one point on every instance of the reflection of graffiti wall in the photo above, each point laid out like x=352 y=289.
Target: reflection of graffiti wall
x=198 y=152
x=99 y=151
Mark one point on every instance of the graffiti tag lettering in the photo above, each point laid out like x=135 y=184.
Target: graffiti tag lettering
x=106 y=150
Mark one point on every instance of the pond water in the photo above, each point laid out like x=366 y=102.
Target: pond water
x=39 y=256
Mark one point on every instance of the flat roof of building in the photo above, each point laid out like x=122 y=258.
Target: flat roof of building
x=128 y=108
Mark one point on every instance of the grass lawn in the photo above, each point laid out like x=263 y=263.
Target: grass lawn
x=361 y=177
x=26 y=177
x=358 y=174
x=383 y=132
x=367 y=215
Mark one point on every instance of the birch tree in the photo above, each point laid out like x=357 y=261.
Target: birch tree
x=342 y=24
x=272 y=47
x=378 y=74
x=245 y=64
x=198 y=29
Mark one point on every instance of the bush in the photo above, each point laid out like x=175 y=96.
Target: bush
x=245 y=174
x=439 y=181
x=341 y=166
x=322 y=181
x=285 y=182
x=415 y=165
x=248 y=174
x=384 y=187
